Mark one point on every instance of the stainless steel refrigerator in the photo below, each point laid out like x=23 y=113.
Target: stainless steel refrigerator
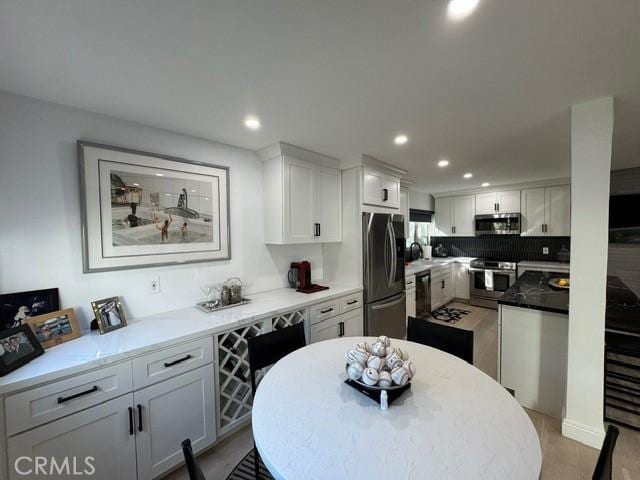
x=384 y=293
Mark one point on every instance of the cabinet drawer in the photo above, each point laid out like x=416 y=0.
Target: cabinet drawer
x=170 y=362
x=350 y=302
x=324 y=310
x=440 y=271
x=410 y=282
x=34 y=407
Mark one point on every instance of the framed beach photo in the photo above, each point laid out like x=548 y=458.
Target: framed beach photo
x=55 y=328
x=18 y=346
x=17 y=308
x=109 y=314
x=143 y=209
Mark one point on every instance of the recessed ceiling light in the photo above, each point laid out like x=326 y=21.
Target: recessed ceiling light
x=159 y=174
x=468 y=175
x=486 y=184
x=401 y=140
x=443 y=163
x=193 y=191
x=459 y=9
x=252 y=123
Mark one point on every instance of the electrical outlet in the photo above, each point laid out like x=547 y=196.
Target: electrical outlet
x=545 y=250
x=154 y=286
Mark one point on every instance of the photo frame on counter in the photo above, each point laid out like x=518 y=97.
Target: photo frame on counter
x=54 y=328
x=16 y=308
x=144 y=209
x=109 y=314
x=18 y=346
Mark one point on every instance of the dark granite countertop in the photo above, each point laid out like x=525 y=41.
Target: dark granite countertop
x=623 y=307
x=532 y=290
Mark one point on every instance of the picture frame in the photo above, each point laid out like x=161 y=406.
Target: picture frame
x=54 y=328
x=18 y=346
x=142 y=209
x=109 y=314
x=16 y=308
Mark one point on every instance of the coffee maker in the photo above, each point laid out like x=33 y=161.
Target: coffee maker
x=300 y=275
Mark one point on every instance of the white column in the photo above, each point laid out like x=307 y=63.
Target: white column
x=591 y=146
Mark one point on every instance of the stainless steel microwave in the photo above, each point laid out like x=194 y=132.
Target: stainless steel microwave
x=498 y=224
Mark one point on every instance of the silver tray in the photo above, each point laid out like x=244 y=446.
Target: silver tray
x=554 y=283
x=210 y=307
x=375 y=388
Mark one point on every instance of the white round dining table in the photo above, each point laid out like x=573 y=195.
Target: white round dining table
x=455 y=422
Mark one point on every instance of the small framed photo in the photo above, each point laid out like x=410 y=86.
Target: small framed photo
x=54 y=328
x=17 y=308
x=18 y=346
x=109 y=314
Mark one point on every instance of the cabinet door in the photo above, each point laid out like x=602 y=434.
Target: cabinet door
x=447 y=289
x=411 y=302
x=299 y=201
x=404 y=209
x=99 y=435
x=461 y=280
x=352 y=323
x=558 y=211
x=325 y=330
x=436 y=293
x=328 y=205
x=443 y=217
x=167 y=413
x=372 y=187
x=392 y=187
x=463 y=215
x=486 y=203
x=509 y=202
x=533 y=211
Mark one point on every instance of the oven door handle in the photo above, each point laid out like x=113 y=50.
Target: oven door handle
x=506 y=272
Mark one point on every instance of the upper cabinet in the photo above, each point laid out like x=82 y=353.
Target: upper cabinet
x=547 y=211
x=302 y=196
x=454 y=216
x=404 y=209
x=498 y=202
x=380 y=189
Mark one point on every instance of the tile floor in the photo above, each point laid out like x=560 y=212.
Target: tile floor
x=563 y=459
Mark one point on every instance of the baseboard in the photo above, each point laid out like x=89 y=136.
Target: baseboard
x=583 y=433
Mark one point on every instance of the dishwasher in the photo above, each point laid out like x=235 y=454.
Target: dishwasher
x=423 y=294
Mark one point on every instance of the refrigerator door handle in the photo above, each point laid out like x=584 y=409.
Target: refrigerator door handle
x=402 y=298
x=392 y=247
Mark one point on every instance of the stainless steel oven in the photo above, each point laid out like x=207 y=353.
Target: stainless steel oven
x=488 y=280
x=498 y=224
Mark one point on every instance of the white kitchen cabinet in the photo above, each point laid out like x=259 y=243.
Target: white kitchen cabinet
x=455 y=216
x=498 y=202
x=411 y=302
x=302 y=196
x=167 y=413
x=547 y=211
x=442 y=291
x=348 y=324
x=404 y=209
x=460 y=273
x=101 y=432
x=380 y=189
x=444 y=217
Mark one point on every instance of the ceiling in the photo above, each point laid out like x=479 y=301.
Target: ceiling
x=491 y=93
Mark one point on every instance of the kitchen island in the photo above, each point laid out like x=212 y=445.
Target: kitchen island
x=533 y=324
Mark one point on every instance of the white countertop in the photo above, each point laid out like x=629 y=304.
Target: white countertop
x=454 y=423
x=156 y=331
x=422 y=265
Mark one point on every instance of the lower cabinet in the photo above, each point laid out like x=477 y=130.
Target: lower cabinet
x=167 y=413
x=101 y=439
x=460 y=272
x=411 y=302
x=348 y=324
x=442 y=291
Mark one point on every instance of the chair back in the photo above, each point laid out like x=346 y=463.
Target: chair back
x=265 y=350
x=456 y=341
x=192 y=465
x=604 y=466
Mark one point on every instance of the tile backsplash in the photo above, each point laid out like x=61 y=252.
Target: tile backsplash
x=506 y=248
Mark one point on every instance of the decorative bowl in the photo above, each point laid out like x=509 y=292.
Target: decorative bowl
x=376 y=388
x=555 y=283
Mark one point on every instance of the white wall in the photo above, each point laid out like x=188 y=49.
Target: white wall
x=40 y=244
x=591 y=146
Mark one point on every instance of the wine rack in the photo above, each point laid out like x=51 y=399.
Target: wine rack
x=288 y=319
x=622 y=380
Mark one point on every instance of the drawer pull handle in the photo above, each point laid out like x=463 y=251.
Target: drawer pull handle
x=130 y=420
x=327 y=310
x=352 y=302
x=76 y=395
x=139 y=417
x=175 y=362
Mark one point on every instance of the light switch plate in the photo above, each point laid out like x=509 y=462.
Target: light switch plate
x=545 y=250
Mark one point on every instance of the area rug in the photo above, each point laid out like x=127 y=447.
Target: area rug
x=244 y=470
x=449 y=314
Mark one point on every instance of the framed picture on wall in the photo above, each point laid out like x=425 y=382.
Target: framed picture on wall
x=144 y=209
x=54 y=328
x=18 y=346
x=109 y=314
x=17 y=308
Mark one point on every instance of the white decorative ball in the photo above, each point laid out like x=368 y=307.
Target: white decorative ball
x=384 y=379
x=384 y=339
x=394 y=360
x=363 y=347
x=355 y=371
x=410 y=367
x=375 y=362
x=356 y=356
x=399 y=375
x=403 y=355
x=379 y=349
x=370 y=376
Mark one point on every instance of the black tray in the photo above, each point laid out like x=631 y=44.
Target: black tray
x=375 y=394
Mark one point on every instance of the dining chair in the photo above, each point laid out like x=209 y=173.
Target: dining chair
x=264 y=351
x=456 y=341
x=195 y=473
x=604 y=465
